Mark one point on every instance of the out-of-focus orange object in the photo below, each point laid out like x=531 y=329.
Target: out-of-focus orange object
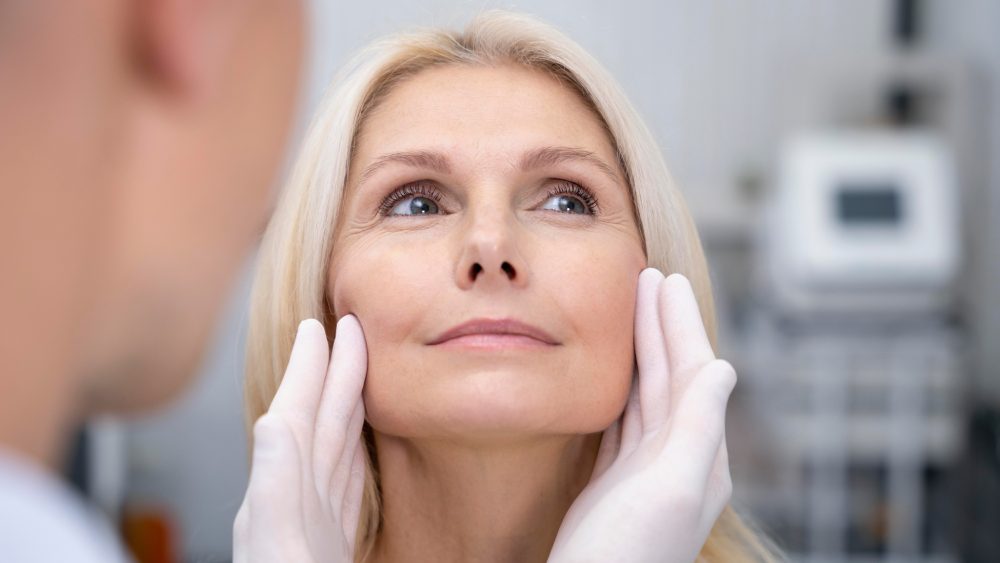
x=150 y=535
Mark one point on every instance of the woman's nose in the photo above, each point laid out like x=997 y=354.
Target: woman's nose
x=490 y=254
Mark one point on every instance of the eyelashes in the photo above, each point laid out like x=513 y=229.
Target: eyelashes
x=563 y=187
x=429 y=190
x=425 y=189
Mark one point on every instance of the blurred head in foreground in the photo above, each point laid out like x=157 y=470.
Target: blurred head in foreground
x=141 y=140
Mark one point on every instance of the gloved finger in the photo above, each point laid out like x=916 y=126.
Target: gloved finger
x=697 y=427
x=722 y=479
x=351 y=510
x=687 y=343
x=632 y=421
x=334 y=478
x=342 y=390
x=720 y=483
x=650 y=353
x=608 y=452
x=720 y=489
x=298 y=394
x=241 y=533
x=275 y=479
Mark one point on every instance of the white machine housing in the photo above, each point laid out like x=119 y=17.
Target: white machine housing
x=864 y=222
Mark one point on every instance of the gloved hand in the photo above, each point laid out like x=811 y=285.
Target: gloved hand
x=307 y=473
x=662 y=473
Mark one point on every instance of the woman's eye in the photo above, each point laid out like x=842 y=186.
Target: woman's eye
x=566 y=204
x=414 y=205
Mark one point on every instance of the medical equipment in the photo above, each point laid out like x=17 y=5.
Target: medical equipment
x=854 y=356
x=864 y=222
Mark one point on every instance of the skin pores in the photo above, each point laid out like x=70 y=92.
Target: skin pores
x=478 y=152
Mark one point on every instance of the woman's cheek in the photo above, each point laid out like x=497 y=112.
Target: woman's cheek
x=385 y=286
x=610 y=318
x=605 y=294
x=389 y=287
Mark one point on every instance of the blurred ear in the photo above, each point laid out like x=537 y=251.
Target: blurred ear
x=182 y=45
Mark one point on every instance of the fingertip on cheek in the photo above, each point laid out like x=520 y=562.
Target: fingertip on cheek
x=339 y=301
x=650 y=270
x=650 y=277
x=678 y=279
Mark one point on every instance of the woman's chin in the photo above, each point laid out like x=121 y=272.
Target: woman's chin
x=491 y=408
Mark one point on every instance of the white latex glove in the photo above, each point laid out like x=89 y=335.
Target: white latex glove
x=662 y=474
x=307 y=473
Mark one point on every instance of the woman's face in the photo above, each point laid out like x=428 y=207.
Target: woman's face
x=480 y=192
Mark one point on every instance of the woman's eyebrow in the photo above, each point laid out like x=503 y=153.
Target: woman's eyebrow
x=547 y=156
x=533 y=159
x=418 y=159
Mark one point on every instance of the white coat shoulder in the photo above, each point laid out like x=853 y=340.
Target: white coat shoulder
x=42 y=520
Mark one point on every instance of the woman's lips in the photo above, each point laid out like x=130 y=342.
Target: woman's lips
x=494 y=342
x=494 y=334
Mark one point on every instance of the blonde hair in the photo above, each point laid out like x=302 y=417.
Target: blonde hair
x=294 y=258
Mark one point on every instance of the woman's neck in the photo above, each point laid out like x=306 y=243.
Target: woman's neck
x=447 y=502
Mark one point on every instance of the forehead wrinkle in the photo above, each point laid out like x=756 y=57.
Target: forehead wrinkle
x=418 y=159
x=547 y=156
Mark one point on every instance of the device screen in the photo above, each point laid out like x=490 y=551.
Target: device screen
x=868 y=204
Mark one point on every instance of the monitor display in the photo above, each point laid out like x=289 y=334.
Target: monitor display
x=869 y=204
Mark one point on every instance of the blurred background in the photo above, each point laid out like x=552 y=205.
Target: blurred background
x=842 y=160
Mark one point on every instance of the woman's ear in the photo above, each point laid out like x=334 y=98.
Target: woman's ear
x=181 y=46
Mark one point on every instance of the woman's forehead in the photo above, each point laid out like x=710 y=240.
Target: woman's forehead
x=503 y=111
